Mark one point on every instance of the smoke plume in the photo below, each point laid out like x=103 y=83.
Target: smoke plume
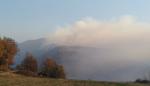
x=118 y=49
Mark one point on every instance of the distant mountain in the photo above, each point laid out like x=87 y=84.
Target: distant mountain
x=32 y=46
x=82 y=62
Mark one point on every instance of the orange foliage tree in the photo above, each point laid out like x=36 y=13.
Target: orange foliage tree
x=52 y=69
x=29 y=65
x=8 y=50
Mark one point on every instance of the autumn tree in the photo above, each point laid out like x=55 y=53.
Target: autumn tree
x=52 y=69
x=8 y=50
x=28 y=66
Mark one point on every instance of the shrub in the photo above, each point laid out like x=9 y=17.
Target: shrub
x=142 y=81
x=52 y=69
x=28 y=66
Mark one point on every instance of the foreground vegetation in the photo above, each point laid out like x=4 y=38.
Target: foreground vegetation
x=29 y=66
x=10 y=79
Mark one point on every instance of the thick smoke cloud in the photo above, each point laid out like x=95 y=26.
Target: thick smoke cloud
x=93 y=32
x=121 y=47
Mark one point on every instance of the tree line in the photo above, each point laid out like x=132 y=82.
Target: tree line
x=29 y=66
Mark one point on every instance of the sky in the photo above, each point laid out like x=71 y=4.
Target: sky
x=32 y=19
x=119 y=28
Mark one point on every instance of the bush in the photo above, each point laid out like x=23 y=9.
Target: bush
x=28 y=66
x=27 y=73
x=52 y=69
x=142 y=81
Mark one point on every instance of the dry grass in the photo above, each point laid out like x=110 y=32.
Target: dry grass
x=9 y=79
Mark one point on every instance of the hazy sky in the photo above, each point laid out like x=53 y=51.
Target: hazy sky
x=31 y=19
x=119 y=28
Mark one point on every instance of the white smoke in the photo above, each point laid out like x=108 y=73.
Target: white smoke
x=124 y=41
x=94 y=32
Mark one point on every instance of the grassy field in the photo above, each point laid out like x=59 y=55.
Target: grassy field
x=9 y=79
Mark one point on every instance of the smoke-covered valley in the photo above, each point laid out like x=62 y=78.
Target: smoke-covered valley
x=113 y=50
